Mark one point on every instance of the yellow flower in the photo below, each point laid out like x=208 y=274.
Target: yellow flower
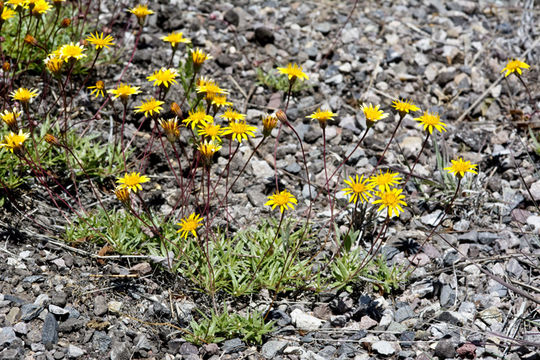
x=199 y=57
x=98 y=88
x=284 y=199
x=431 y=120
x=18 y=4
x=220 y=101
x=124 y=91
x=460 y=167
x=72 y=51
x=122 y=194
x=209 y=87
x=7 y=13
x=240 y=130
x=41 y=7
x=175 y=38
x=170 y=128
x=149 y=107
x=359 y=189
x=10 y=118
x=14 y=142
x=53 y=63
x=322 y=116
x=372 y=114
x=208 y=149
x=197 y=118
x=210 y=130
x=141 y=12
x=269 y=123
x=384 y=180
x=23 y=95
x=232 y=115
x=132 y=181
x=189 y=225
x=404 y=106
x=293 y=71
x=99 y=41
x=514 y=65
x=163 y=77
x=391 y=200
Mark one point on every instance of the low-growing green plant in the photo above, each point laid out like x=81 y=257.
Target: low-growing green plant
x=217 y=327
x=387 y=278
x=275 y=82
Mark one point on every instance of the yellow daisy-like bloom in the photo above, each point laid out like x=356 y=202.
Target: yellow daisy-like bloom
x=269 y=123
x=150 y=106
x=197 y=118
x=171 y=128
x=384 y=180
x=210 y=130
x=430 y=121
x=132 y=181
x=514 y=65
x=240 y=130
x=7 y=14
x=293 y=71
x=18 y=4
x=10 y=118
x=141 y=11
x=199 y=57
x=391 y=200
x=72 y=51
x=404 y=106
x=220 y=101
x=163 y=77
x=122 y=194
x=175 y=38
x=208 y=149
x=322 y=116
x=98 y=88
x=283 y=199
x=41 y=7
x=232 y=115
x=460 y=167
x=124 y=91
x=100 y=41
x=359 y=189
x=189 y=225
x=54 y=63
x=14 y=142
x=23 y=95
x=209 y=87
x=372 y=114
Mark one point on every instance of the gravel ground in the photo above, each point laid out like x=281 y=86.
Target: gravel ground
x=475 y=292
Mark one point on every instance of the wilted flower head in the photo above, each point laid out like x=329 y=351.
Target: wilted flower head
x=207 y=150
x=122 y=194
x=170 y=128
x=10 y=118
x=199 y=57
x=54 y=63
x=269 y=123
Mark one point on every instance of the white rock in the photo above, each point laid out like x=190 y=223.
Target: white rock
x=75 y=352
x=383 y=347
x=534 y=220
x=305 y=321
x=261 y=169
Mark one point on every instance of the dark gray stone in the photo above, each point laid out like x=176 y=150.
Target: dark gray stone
x=403 y=313
x=11 y=354
x=49 y=332
x=232 y=17
x=100 y=306
x=70 y=325
x=101 y=341
x=34 y=278
x=272 y=348
x=445 y=349
x=7 y=336
x=233 y=345
x=120 y=351
x=264 y=36
x=30 y=311
x=188 y=349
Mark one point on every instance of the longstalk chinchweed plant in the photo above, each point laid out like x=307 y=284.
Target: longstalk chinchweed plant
x=201 y=137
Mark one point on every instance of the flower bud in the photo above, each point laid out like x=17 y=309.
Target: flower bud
x=281 y=116
x=65 y=22
x=30 y=40
x=6 y=66
x=51 y=139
